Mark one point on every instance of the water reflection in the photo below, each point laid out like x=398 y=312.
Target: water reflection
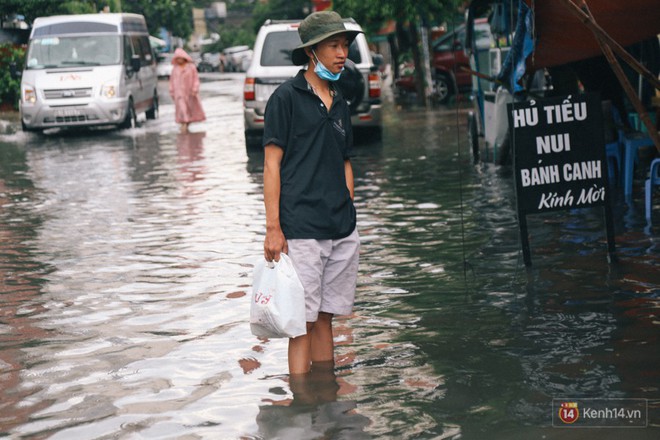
x=314 y=412
x=190 y=146
x=22 y=277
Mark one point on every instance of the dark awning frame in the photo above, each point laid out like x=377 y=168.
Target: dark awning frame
x=555 y=32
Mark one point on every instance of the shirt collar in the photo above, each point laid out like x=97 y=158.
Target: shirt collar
x=300 y=82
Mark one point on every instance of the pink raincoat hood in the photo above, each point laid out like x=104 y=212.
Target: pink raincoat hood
x=180 y=53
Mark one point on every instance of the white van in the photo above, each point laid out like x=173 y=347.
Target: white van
x=84 y=70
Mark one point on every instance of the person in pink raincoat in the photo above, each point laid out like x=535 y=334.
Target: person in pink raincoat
x=184 y=89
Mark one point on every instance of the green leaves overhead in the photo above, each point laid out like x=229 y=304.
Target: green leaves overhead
x=174 y=15
x=432 y=12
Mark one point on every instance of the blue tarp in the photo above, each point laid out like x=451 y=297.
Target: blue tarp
x=513 y=68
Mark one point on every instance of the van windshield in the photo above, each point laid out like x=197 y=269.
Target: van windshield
x=89 y=50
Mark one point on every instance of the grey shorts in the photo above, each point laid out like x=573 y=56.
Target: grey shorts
x=328 y=272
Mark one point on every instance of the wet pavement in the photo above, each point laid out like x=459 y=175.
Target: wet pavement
x=125 y=266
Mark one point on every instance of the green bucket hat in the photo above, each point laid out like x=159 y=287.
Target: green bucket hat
x=315 y=28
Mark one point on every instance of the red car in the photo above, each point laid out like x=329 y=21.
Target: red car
x=448 y=58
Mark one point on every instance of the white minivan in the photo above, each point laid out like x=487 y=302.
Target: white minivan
x=86 y=70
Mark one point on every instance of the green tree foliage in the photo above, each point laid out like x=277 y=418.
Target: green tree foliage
x=279 y=10
x=174 y=15
x=232 y=36
x=245 y=34
x=374 y=12
x=410 y=15
x=32 y=9
x=10 y=87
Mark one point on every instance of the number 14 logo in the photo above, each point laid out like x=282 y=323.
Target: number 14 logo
x=569 y=412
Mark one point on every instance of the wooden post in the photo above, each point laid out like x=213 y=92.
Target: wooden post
x=524 y=238
x=627 y=87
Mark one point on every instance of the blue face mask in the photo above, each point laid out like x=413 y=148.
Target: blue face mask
x=323 y=71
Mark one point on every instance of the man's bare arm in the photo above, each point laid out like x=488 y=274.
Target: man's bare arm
x=275 y=242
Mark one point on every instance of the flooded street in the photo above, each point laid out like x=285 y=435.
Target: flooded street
x=125 y=270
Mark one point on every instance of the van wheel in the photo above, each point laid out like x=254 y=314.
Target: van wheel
x=27 y=129
x=442 y=88
x=131 y=117
x=152 y=113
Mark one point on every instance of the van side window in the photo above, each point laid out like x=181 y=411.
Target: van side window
x=147 y=57
x=137 y=48
x=128 y=50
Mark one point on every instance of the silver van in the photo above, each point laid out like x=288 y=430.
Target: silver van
x=86 y=70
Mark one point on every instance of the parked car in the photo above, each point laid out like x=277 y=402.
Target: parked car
x=272 y=65
x=164 y=66
x=235 y=57
x=449 y=59
x=210 y=62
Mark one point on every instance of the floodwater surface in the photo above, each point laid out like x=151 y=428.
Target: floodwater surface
x=125 y=267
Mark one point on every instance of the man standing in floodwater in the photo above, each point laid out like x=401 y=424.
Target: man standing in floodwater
x=308 y=185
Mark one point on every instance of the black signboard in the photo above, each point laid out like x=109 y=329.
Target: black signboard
x=559 y=158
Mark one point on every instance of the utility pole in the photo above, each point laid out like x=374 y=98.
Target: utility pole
x=428 y=81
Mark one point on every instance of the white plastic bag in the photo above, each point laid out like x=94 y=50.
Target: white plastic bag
x=278 y=300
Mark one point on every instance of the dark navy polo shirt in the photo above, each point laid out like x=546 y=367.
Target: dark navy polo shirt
x=314 y=200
